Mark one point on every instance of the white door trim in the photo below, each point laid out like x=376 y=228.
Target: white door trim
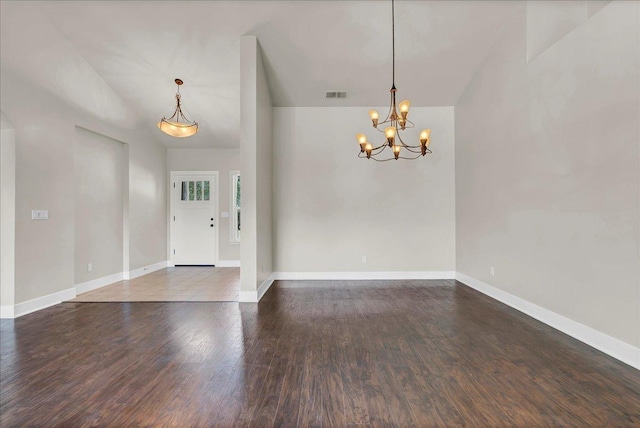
x=172 y=176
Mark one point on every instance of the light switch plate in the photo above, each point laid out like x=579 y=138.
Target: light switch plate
x=39 y=214
x=224 y=214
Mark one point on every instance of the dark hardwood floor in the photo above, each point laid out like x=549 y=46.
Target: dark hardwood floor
x=383 y=353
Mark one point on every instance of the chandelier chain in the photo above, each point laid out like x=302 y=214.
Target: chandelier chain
x=393 y=44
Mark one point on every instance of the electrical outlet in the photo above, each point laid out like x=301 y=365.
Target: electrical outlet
x=364 y=259
x=39 y=214
x=89 y=267
x=492 y=271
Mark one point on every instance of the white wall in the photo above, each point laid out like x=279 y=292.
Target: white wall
x=547 y=171
x=148 y=201
x=7 y=214
x=45 y=133
x=99 y=205
x=256 y=145
x=331 y=208
x=224 y=161
x=264 y=175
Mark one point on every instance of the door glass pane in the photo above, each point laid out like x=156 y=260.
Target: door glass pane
x=199 y=190
x=235 y=206
x=183 y=193
x=206 y=191
x=191 y=191
x=238 y=191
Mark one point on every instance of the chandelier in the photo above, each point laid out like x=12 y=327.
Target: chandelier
x=395 y=123
x=173 y=126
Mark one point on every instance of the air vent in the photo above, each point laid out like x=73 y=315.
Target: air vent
x=336 y=94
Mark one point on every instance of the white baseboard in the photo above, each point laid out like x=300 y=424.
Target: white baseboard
x=59 y=297
x=99 y=282
x=110 y=279
x=344 y=276
x=43 y=302
x=228 y=263
x=255 y=296
x=618 y=349
x=148 y=269
x=6 y=312
x=266 y=284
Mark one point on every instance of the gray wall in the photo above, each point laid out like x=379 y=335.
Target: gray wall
x=331 y=208
x=256 y=145
x=7 y=211
x=264 y=176
x=45 y=152
x=547 y=169
x=100 y=164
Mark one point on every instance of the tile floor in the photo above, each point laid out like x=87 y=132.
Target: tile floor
x=177 y=284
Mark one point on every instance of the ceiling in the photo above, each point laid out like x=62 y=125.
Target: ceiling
x=118 y=60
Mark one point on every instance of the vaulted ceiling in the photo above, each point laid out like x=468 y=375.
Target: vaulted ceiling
x=118 y=59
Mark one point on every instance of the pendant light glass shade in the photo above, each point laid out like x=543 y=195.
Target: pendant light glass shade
x=177 y=129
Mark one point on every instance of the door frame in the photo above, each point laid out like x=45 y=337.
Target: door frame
x=216 y=199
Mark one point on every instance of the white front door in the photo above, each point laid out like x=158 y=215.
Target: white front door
x=194 y=223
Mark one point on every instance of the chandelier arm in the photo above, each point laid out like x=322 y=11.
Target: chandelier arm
x=409 y=149
x=379 y=150
x=373 y=156
x=387 y=120
x=399 y=157
x=403 y=143
x=381 y=146
x=411 y=158
x=382 y=160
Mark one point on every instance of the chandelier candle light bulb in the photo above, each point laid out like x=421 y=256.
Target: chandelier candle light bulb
x=362 y=140
x=424 y=136
x=396 y=151
x=395 y=122
x=390 y=133
x=424 y=140
x=404 y=108
x=374 y=115
x=367 y=148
